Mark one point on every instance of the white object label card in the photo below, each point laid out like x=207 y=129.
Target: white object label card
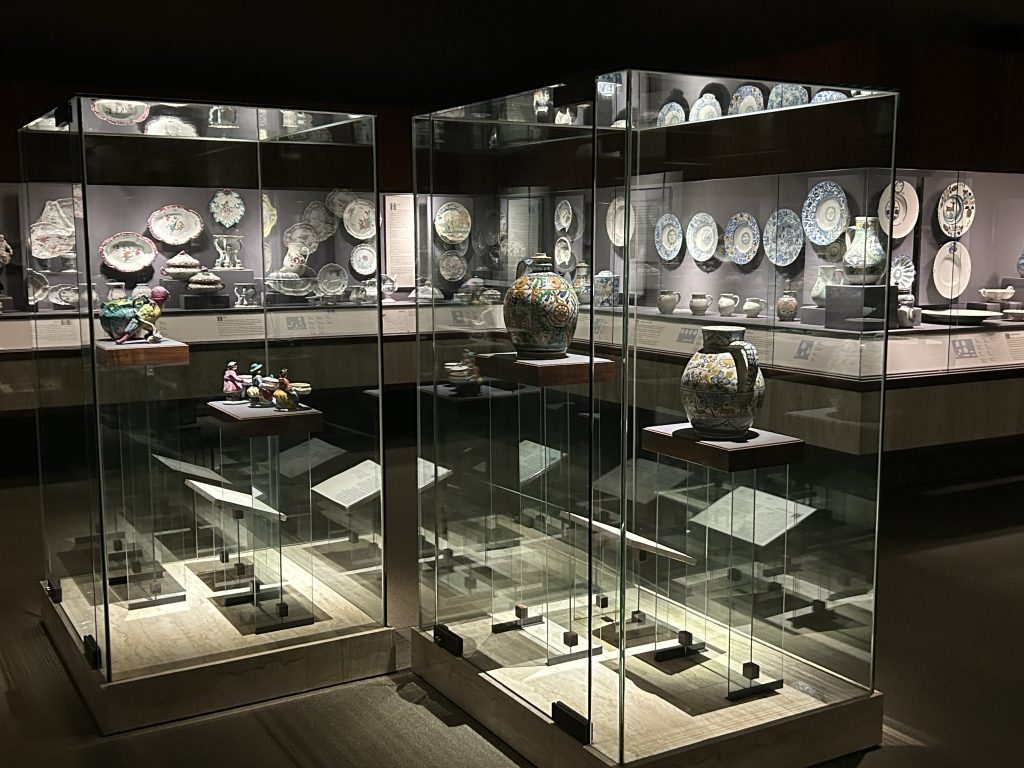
x=758 y=517
x=399 y=256
x=362 y=482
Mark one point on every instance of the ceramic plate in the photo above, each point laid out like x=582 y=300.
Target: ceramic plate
x=64 y=295
x=615 y=222
x=564 y=260
x=332 y=279
x=51 y=242
x=787 y=95
x=321 y=220
x=38 y=286
x=175 y=224
x=563 y=216
x=360 y=219
x=903 y=211
x=668 y=237
x=826 y=213
x=338 y=199
x=956 y=209
x=269 y=215
x=128 y=252
x=747 y=98
x=119 y=112
x=452 y=266
x=823 y=96
x=951 y=269
x=959 y=316
x=902 y=272
x=301 y=237
x=672 y=114
x=363 y=259
x=742 y=238
x=452 y=223
x=705 y=108
x=169 y=125
x=702 y=237
x=783 y=237
x=227 y=207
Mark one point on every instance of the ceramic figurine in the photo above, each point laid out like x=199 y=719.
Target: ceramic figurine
x=826 y=276
x=727 y=303
x=134 y=319
x=541 y=310
x=285 y=396
x=667 y=301
x=699 y=303
x=581 y=283
x=864 y=260
x=753 y=307
x=786 y=306
x=233 y=384
x=258 y=395
x=722 y=387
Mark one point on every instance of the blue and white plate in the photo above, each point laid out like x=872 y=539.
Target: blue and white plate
x=825 y=95
x=747 y=98
x=826 y=213
x=783 y=237
x=705 y=108
x=702 y=237
x=563 y=216
x=902 y=272
x=742 y=238
x=668 y=237
x=671 y=114
x=787 y=95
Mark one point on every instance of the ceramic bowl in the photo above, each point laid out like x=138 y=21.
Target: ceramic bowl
x=996 y=294
x=1014 y=314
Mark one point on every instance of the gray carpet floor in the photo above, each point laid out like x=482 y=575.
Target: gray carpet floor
x=949 y=629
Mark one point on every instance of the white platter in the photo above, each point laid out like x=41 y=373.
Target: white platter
x=360 y=219
x=783 y=237
x=702 y=237
x=363 y=259
x=227 y=207
x=903 y=211
x=128 y=252
x=704 y=108
x=668 y=237
x=615 y=222
x=951 y=269
x=175 y=224
x=453 y=223
x=452 y=266
x=959 y=316
x=956 y=209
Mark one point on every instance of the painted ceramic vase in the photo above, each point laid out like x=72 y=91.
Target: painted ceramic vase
x=722 y=387
x=699 y=303
x=606 y=288
x=727 y=303
x=581 y=283
x=786 y=306
x=826 y=276
x=667 y=301
x=864 y=260
x=753 y=307
x=541 y=310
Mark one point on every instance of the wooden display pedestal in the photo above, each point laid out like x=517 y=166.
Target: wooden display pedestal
x=136 y=353
x=571 y=369
x=240 y=419
x=759 y=449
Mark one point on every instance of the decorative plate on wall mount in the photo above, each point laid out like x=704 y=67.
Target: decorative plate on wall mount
x=564 y=259
x=742 y=238
x=783 y=237
x=360 y=219
x=615 y=221
x=363 y=259
x=563 y=216
x=826 y=213
x=169 y=125
x=668 y=237
x=671 y=114
x=332 y=279
x=301 y=236
x=787 y=95
x=117 y=112
x=128 y=252
x=903 y=210
x=746 y=99
x=702 y=237
x=321 y=220
x=902 y=272
x=705 y=108
x=951 y=269
x=227 y=207
x=175 y=224
x=956 y=209
x=453 y=223
x=452 y=266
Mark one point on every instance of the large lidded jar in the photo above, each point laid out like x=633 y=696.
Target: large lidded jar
x=541 y=309
x=722 y=387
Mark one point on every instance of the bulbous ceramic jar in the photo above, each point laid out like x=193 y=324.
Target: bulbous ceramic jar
x=541 y=309
x=864 y=260
x=826 y=276
x=786 y=306
x=581 y=283
x=667 y=301
x=699 y=303
x=722 y=387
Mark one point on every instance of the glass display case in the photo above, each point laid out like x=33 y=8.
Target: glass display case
x=702 y=516
x=211 y=477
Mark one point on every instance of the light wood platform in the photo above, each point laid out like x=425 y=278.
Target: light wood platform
x=571 y=369
x=135 y=353
x=241 y=420
x=760 y=448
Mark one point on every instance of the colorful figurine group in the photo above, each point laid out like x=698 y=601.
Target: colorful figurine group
x=134 y=318
x=262 y=391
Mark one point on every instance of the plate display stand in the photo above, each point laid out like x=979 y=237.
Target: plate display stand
x=754 y=658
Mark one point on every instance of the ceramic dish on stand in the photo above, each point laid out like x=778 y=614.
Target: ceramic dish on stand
x=787 y=95
x=783 y=237
x=826 y=213
x=671 y=114
x=363 y=259
x=997 y=294
x=902 y=209
x=452 y=266
x=702 y=237
x=128 y=252
x=956 y=209
x=902 y=272
x=959 y=316
x=615 y=222
x=668 y=237
x=951 y=269
x=705 y=108
x=742 y=238
x=175 y=224
x=227 y=207
x=118 y=112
